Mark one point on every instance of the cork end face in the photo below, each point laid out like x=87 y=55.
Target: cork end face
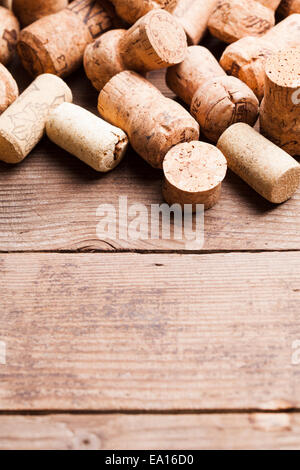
x=195 y=167
x=193 y=174
x=166 y=36
x=35 y=60
x=9 y=90
x=118 y=155
x=286 y=186
x=283 y=69
x=9 y=151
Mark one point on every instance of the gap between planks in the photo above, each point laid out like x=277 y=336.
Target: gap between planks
x=151 y=432
x=148 y=252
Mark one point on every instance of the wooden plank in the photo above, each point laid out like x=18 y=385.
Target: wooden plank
x=33 y=217
x=49 y=202
x=274 y=431
x=155 y=332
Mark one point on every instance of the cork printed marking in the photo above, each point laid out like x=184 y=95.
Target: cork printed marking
x=24 y=122
x=61 y=64
x=256 y=24
x=11 y=37
x=89 y=11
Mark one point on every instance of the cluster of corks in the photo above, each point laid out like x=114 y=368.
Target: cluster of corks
x=119 y=42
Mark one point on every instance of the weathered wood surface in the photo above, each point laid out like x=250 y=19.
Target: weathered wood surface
x=49 y=201
x=156 y=332
x=140 y=332
x=153 y=432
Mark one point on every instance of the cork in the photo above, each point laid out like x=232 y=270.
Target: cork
x=152 y=122
x=235 y=19
x=132 y=10
x=193 y=174
x=22 y=125
x=288 y=7
x=94 y=141
x=9 y=91
x=280 y=109
x=246 y=58
x=269 y=170
x=193 y=16
x=29 y=11
x=154 y=42
x=9 y=33
x=56 y=43
x=216 y=101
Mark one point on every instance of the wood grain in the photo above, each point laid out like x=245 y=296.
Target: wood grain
x=272 y=431
x=156 y=332
x=49 y=201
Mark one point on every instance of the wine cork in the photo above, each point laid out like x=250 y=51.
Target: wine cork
x=9 y=33
x=9 y=91
x=280 y=110
x=152 y=122
x=288 y=7
x=22 y=125
x=269 y=170
x=216 y=100
x=193 y=174
x=81 y=133
x=193 y=16
x=155 y=41
x=132 y=10
x=56 y=43
x=246 y=58
x=235 y=19
x=198 y=66
x=29 y=11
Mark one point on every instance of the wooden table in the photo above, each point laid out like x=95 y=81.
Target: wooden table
x=133 y=345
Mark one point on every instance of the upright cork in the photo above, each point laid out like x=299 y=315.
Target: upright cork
x=152 y=122
x=193 y=174
x=280 y=110
x=216 y=100
x=81 y=133
x=289 y=7
x=29 y=11
x=235 y=19
x=272 y=172
x=9 y=91
x=9 y=33
x=193 y=16
x=22 y=125
x=246 y=58
x=132 y=10
x=56 y=43
x=155 y=41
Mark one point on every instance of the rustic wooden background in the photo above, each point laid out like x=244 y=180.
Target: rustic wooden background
x=133 y=345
